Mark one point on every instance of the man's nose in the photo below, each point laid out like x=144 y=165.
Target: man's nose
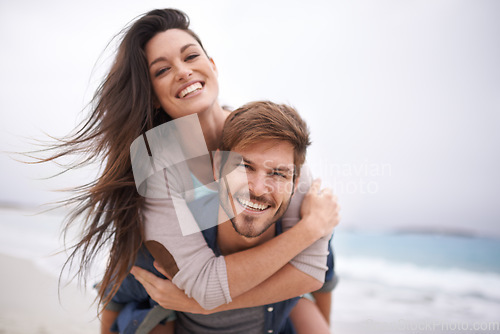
x=257 y=184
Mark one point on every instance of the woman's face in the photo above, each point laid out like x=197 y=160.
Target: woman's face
x=184 y=79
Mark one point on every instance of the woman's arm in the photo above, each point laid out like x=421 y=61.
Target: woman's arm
x=288 y=282
x=312 y=259
x=214 y=281
x=249 y=268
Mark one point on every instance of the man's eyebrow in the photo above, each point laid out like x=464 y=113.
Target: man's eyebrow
x=245 y=160
x=282 y=169
x=165 y=59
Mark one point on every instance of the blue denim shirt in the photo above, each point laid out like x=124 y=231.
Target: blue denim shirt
x=136 y=306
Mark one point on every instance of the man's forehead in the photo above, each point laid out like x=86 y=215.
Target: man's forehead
x=270 y=154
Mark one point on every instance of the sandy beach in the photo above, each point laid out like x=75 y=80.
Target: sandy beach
x=30 y=302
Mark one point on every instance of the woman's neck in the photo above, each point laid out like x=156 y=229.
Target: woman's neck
x=212 y=122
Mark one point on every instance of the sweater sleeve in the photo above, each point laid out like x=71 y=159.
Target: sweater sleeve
x=186 y=257
x=312 y=260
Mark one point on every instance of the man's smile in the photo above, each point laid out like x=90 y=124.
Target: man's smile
x=253 y=206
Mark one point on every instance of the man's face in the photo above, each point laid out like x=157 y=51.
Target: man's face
x=260 y=187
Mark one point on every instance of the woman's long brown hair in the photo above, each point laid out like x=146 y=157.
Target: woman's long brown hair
x=121 y=110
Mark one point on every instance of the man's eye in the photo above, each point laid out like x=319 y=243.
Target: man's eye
x=247 y=166
x=192 y=56
x=161 y=71
x=279 y=174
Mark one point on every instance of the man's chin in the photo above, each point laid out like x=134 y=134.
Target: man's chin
x=246 y=229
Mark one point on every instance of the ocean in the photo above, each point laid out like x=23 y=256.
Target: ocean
x=36 y=236
x=389 y=281
x=417 y=282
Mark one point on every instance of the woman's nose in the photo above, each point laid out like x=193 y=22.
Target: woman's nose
x=183 y=72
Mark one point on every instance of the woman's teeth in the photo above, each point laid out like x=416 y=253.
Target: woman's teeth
x=252 y=205
x=190 y=89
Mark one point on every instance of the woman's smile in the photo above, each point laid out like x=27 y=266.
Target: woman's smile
x=190 y=89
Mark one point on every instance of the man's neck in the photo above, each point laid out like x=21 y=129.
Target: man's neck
x=230 y=241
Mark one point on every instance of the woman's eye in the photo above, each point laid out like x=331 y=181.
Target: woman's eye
x=192 y=56
x=161 y=71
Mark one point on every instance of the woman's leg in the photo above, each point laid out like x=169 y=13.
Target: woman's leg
x=308 y=318
x=324 y=303
x=168 y=328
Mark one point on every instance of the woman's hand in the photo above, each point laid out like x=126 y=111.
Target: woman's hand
x=320 y=209
x=164 y=292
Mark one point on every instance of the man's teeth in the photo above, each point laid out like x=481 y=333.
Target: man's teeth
x=190 y=89
x=253 y=205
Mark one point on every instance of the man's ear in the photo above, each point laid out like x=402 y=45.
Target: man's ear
x=295 y=183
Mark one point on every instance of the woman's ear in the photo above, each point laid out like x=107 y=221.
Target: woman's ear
x=156 y=103
x=214 y=67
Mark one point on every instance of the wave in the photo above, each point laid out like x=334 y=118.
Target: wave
x=454 y=281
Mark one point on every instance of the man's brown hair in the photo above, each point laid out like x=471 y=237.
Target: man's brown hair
x=264 y=120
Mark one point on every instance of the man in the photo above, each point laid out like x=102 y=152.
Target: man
x=263 y=149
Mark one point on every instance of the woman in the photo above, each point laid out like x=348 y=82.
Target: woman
x=161 y=72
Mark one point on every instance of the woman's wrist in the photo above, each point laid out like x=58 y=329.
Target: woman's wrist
x=309 y=230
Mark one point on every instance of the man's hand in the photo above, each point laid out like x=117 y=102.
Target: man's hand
x=164 y=292
x=320 y=209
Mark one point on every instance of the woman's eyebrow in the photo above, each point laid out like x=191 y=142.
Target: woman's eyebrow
x=187 y=46
x=157 y=60
x=165 y=59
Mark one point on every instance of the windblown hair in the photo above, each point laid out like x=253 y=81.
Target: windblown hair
x=264 y=120
x=121 y=110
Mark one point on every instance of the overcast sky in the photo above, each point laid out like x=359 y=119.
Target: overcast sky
x=402 y=97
